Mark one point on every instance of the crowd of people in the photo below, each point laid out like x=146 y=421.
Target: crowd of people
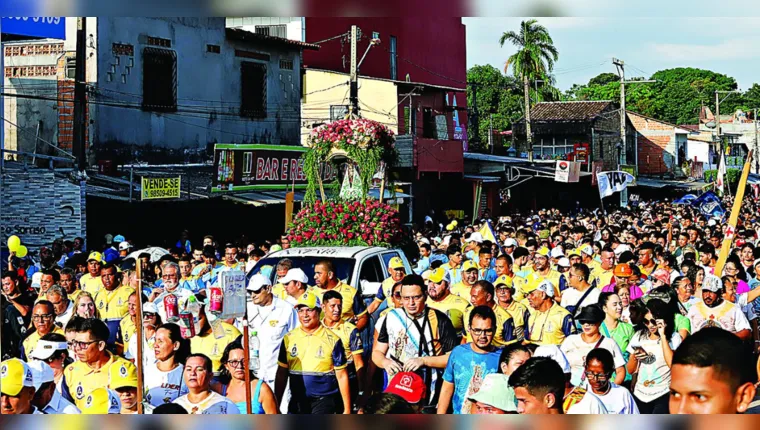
x=540 y=312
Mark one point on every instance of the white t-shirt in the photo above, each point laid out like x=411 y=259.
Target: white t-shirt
x=163 y=387
x=149 y=354
x=576 y=350
x=571 y=296
x=654 y=373
x=271 y=323
x=618 y=400
x=726 y=315
x=589 y=405
x=214 y=404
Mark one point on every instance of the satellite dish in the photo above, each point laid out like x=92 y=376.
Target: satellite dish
x=710 y=124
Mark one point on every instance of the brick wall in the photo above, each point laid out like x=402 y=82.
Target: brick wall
x=656 y=141
x=39 y=207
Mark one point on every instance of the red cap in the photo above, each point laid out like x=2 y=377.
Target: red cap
x=407 y=385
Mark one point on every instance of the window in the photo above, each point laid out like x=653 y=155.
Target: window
x=428 y=124
x=214 y=49
x=247 y=163
x=272 y=30
x=71 y=68
x=159 y=80
x=338 y=112
x=371 y=271
x=253 y=79
x=286 y=64
x=549 y=149
x=393 y=57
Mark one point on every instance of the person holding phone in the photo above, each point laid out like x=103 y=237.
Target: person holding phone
x=651 y=356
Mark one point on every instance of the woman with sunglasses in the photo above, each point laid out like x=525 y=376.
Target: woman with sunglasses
x=231 y=383
x=151 y=321
x=163 y=376
x=651 y=355
x=734 y=270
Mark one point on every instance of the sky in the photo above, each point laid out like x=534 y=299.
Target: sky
x=587 y=45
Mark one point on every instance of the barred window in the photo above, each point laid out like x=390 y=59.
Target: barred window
x=253 y=85
x=159 y=80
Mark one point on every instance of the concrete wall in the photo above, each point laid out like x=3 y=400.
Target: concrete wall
x=294 y=24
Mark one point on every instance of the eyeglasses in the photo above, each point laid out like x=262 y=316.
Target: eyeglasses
x=81 y=345
x=257 y=292
x=236 y=363
x=397 y=295
x=148 y=315
x=169 y=276
x=649 y=322
x=45 y=317
x=597 y=376
x=412 y=298
x=480 y=332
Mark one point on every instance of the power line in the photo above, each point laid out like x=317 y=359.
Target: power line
x=331 y=38
x=37 y=137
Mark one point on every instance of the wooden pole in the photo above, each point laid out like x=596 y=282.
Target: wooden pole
x=726 y=248
x=382 y=187
x=139 y=334
x=247 y=364
x=289 y=198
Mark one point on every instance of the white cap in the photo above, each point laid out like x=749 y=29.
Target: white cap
x=553 y=352
x=41 y=373
x=510 y=242
x=37 y=280
x=557 y=252
x=424 y=240
x=476 y=237
x=564 y=262
x=295 y=274
x=150 y=307
x=711 y=223
x=712 y=283
x=45 y=349
x=587 y=249
x=621 y=249
x=547 y=287
x=257 y=282
x=123 y=246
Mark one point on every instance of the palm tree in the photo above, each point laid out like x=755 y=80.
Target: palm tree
x=533 y=60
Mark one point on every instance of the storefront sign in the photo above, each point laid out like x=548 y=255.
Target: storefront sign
x=261 y=167
x=581 y=152
x=160 y=188
x=567 y=171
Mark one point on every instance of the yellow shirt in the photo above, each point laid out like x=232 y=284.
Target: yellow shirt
x=550 y=327
x=212 y=347
x=353 y=304
x=603 y=277
x=454 y=307
x=647 y=272
x=79 y=379
x=113 y=305
x=90 y=284
x=462 y=290
x=73 y=296
x=349 y=336
x=519 y=283
x=127 y=329
x=31 y=341
x=387 y=287
x=553 y=277
x=505 y=333
x=518 y=312
x=312 y=359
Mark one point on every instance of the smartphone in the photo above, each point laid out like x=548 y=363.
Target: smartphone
x=640 y=350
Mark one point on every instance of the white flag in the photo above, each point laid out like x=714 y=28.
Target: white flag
x=720 y=181
x=613 y=182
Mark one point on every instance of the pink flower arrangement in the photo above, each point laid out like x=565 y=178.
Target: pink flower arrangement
x=332 y=224
x=361 y=132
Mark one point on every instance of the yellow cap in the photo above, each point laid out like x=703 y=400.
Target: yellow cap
x=309 y=300
x=101 y=401
x=469 y=265
x=396 y=263
x=503 y=280
x=14 y=376
x=122 y=375
x=543 y=251
x=538 y=284
x=586 y=249
x=95 y=256
x=438 y=275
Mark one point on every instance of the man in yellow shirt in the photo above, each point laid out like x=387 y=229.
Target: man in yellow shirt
x=91 y=281
x=94 y=363
x=505 y=298
x=483 y=294
x=112 y=301
x=332 y=309
x=326 y=279
x=69 y=283
x=603 y=276
x=543 y=271
x=205 y=342
x=469 y=277
x=43 y=317
x=440 y=298
x=549 y=323
x=397 y=271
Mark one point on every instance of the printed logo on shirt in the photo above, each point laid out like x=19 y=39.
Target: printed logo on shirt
x=101 y=304
x=79 y=392
x=4 y=371
x=320 y=353
x=88 y=402
x=294 y=351
x=549 y=327
x=273 y=323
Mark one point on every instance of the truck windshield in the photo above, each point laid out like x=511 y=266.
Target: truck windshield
x=344 y=267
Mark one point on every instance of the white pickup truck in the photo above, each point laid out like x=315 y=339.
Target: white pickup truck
x=362 y=267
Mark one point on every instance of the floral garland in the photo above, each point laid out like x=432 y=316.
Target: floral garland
x=357 y=223
x=365 y=142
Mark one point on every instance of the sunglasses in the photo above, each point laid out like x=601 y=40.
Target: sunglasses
x=649 y=322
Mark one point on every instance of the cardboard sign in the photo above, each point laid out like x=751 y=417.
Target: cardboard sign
x=233 y=283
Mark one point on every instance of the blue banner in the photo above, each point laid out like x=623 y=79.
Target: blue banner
x=709 y=204
x=53 y=27
x=685 y=200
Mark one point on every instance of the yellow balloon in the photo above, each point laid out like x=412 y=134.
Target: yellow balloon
x=21 y=253
x=449 y=227
x=13 y=243
x=454 y=223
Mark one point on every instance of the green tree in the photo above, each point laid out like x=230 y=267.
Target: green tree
x=533 y=60
x=497 y=95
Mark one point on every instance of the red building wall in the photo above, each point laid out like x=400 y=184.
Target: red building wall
x=432 y=43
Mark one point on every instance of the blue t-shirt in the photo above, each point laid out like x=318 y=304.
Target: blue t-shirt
x=467 y=369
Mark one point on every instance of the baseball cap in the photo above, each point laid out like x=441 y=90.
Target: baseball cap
x=37 y=280
x=544 y=234
x=553 y=352
x=309 y=300
x=275 y=248
x=510 y=242
x=109 y=239
x=118 y=238
x=41 y=373
x=623 y=270
x=557 y=252
x=543 y=251
x=407 y=385
x=438 y=275
x=122 y=376
x=257 y=282
x=46 y=348
x=14 y=376
x=564 y=262
x=662 y=275
x=712 y=283
x=545 y=286
x=496 y=392
x=294 y=274
x=396 y=263
x=621 y=249
x=476 y=237
x=469 y=265
x=124 y=245
x=503 y=280
x=150 y=308
x=586 y=249
x=101 y=401
x=95 y=256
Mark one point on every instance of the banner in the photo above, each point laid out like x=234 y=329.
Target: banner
x=567 y=171
x=685 y=200
x=613 y=182
x=262 y=167
x=596 y=167
x=719 y=182
x=709 y=204
x=160 y=188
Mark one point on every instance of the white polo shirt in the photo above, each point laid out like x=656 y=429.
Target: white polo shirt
x=271 y=323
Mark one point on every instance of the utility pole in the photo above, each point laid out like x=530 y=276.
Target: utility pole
x=79 y=96
x=490 y=132
x=719 y=140
x=354 y=84
x=620 y=66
